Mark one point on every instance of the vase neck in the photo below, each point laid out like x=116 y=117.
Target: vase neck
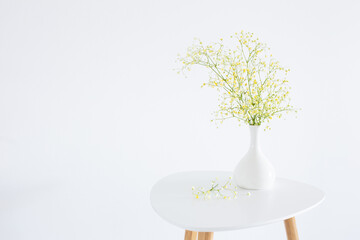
x=254 y=136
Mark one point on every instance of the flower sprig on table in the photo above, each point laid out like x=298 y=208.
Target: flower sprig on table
x=217 y=191
x=253 y=85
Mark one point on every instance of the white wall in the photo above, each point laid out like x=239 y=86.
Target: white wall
x=92 y=114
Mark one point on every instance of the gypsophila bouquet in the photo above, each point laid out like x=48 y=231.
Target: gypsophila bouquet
x=253 y=85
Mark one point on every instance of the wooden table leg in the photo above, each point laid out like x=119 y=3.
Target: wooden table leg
x=291 y=230
x=190 y=235
x=206 y=236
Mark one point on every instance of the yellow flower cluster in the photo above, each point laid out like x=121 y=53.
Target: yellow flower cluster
x=252 y=84
x=228 y=191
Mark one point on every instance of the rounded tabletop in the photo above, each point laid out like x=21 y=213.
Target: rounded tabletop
x=172 y=199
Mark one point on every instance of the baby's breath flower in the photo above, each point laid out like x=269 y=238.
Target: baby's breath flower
x=252 y=84
x=217 y=190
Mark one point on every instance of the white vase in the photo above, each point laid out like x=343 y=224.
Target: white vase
x=254 y=171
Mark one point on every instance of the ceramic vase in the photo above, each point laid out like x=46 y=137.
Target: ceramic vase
x=254 y=171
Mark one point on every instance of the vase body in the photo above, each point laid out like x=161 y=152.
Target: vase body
x=254 y=171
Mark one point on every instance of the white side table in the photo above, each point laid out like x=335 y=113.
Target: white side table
x=172 y=199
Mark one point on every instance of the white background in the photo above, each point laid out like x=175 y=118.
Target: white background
x=92 y=113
